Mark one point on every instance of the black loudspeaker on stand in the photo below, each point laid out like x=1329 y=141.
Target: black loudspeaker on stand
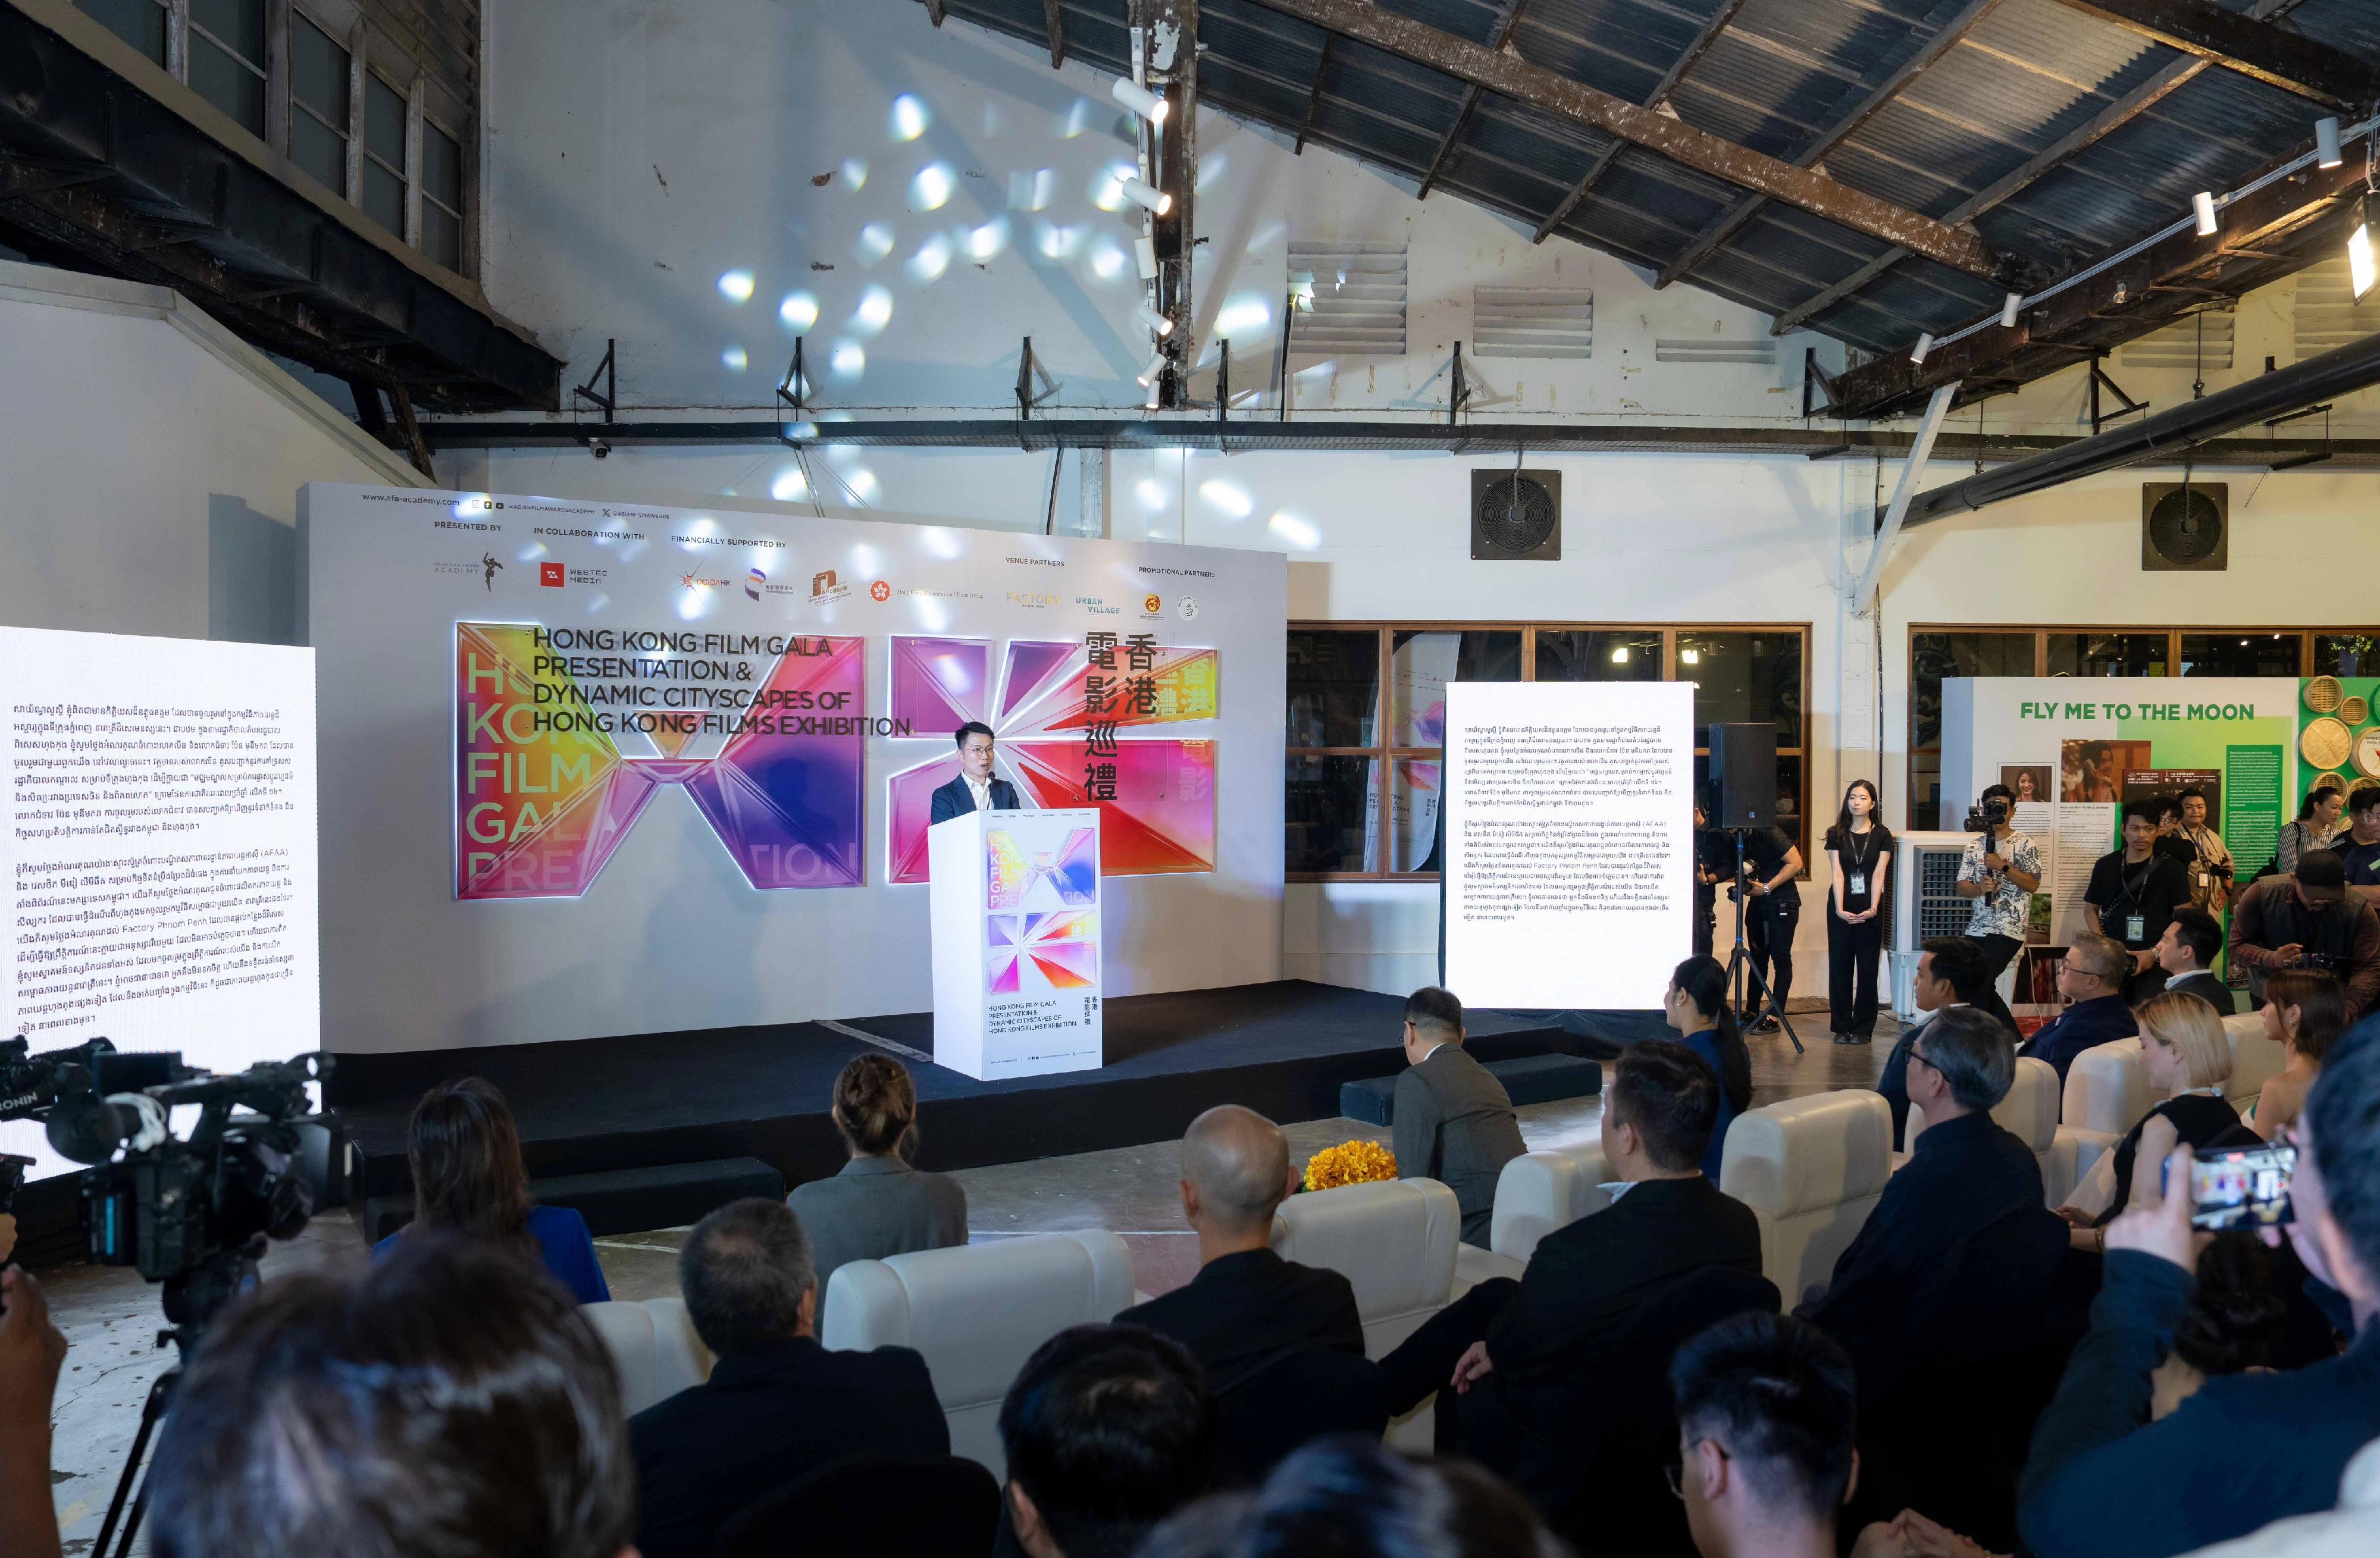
x=1743 y=778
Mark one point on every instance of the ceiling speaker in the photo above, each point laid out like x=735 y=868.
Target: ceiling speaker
x=1516 y=515
x=2185 y=526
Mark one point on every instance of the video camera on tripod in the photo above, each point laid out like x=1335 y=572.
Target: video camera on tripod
x=190 y=1213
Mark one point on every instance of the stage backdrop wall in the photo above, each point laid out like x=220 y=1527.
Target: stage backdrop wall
x=592 y=770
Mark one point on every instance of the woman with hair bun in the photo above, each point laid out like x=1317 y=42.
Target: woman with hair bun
x=879 y=1205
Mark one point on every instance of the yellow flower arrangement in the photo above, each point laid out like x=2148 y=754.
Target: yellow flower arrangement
x=1350 y=1163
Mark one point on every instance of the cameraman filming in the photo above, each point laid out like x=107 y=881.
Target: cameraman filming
x=2307 y=919
x=2000 y=871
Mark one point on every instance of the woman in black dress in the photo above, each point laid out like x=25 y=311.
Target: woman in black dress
x=1859 y=858
x=2187 y=1056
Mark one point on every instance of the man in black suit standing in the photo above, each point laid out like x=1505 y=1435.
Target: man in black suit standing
x=1523 y=1358
x=1246 y=1306
x=777 y=1402
x=974 y=789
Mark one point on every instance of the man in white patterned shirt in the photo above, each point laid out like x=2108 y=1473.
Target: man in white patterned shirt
x=2000 y=871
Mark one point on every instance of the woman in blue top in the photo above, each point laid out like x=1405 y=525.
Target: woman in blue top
x=1696 y=1006
x=468 y=1178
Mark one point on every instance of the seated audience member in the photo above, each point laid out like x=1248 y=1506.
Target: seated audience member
x=31 y=1351
x=1246 y=1306
x=468 y=1178
x=449 y=1407
x=2306 y=920
x=1526 y=1353
x=1967 y=1175
x=777 y=1404
x=1107 y=1429
x=1355 y=1498
x=2102 y=1480
x=1453 y=1120
x=1951 y=972
x=2091 y=975
x=2234 y=1324
x=1696 y=1006
x=2192 y=940
x=2187 y=1058
x=877 y=1206
x=1767 y=1418
x=2306 y=1011
x=2358 y=848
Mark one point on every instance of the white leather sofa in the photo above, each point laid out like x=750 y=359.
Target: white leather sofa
x=654 y=1346
x=1812 y=1168
x=2106 y=1093
x=1537 y=1193
x=977 y=1312
x=1394 y=1240
x=2030 y=1112
x=2255 y=1058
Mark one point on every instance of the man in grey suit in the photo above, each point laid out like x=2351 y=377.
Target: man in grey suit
x=1453 y=1120
x=2191 y=940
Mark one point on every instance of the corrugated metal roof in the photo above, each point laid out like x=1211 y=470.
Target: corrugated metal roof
x=2025 y=73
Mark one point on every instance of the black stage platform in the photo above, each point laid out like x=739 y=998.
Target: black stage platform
x=651 y=1099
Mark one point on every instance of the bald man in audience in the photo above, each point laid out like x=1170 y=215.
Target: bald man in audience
x=1248 y=1306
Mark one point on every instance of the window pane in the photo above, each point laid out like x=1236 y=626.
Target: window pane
x=237 y=25
x=227 y=83
x=1334 y=688
x=1924 y=790
x=140 y=23
x=2346 y=654
x=318 y=150
x=1743 y=677
x=442 y=167
x=1587 y=655
x=2106 y=654
x=442 y=236
x=1329 y=809
x=1933 y=656
x=1415 y=805
x=318 y=72
x=385 y=123
x=1421 y=665
x=2231 y=654
x=384 y=197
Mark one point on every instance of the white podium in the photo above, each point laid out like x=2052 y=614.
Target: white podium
x=1016 y=942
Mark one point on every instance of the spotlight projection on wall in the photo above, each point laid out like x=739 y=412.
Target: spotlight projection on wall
x=1140 y=99
x=1146 y=196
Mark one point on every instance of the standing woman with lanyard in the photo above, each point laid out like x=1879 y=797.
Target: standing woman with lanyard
x=1859 y=858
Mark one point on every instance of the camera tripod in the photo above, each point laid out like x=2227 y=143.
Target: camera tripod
x=1744 y=975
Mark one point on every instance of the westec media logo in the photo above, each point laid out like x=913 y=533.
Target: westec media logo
x=550 y=575
x=754 y=582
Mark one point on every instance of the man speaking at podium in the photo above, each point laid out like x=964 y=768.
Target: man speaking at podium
x=974 y=789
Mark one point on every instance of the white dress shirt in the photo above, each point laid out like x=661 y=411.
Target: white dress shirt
x=980 y=788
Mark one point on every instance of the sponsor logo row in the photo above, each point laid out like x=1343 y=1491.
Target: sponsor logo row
x=826 y=587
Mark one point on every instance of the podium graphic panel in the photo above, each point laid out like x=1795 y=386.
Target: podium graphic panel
x=1016 y=943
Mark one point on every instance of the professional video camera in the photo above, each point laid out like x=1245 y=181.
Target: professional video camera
x=1985 y=815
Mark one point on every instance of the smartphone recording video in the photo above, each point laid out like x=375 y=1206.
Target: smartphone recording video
x=2241 y=1188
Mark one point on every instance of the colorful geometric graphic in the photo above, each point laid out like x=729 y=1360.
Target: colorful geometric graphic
x=1033 y=953
x=1162 y=819
x=1073 y=870
x=543 y=795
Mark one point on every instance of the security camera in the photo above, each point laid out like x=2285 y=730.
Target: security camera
x=597 y=448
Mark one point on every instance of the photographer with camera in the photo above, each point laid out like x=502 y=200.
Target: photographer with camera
x=2307 y=920
x=2000 y=871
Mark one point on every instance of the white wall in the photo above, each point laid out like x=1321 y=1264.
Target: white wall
x=151 y=465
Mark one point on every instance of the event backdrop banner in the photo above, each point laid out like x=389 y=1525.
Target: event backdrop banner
x=2087 y=746
x=676 y=767
x=158 y=874
x=1568 y=838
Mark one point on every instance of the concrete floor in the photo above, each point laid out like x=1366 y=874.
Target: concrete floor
x=111 y=1318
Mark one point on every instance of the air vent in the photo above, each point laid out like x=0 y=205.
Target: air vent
x=2177 y=344
x=1359 y=300
x=1509 y=322
x=2327 y=314
x=2185 y=527
x=1516 y=515
x=1756 y=351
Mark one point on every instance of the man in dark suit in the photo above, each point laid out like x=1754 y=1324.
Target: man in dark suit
x=2188 y=947
x=1452 y=1120
x=2092 y=976
x=1902 y=1273
x=974 y=789
x=1523 y=1358
x=1248 y=1306
x=777 y=1404
x=1951 y=972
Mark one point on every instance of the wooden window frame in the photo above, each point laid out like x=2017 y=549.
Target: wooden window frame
x=1385 y=754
